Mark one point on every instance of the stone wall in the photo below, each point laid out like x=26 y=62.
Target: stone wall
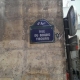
x=20 y=60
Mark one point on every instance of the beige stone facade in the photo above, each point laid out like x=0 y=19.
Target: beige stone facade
x=20 y=60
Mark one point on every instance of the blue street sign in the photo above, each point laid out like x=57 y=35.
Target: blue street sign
x=41 y=32
x=42 y=35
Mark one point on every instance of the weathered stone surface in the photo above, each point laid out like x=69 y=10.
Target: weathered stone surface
x=13 y=29
x=11 y=63
x=13 y=9
x=20 y=60
x=6 y=79
x=12 y=44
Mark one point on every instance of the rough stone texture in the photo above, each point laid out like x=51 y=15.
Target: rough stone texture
x=6 y=79
x=20 y=60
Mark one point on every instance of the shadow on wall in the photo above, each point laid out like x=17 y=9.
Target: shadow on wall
x=11 y=22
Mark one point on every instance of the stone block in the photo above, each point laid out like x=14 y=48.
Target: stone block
x=14 y=29
x=6 y=79
x=11 y=63
x=12 y=44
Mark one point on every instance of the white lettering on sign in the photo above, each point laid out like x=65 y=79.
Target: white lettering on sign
x=41 y=23
x=35 y=35
x=42 y=35
x=47 y=34
x=41 y=31
x=42 y=38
